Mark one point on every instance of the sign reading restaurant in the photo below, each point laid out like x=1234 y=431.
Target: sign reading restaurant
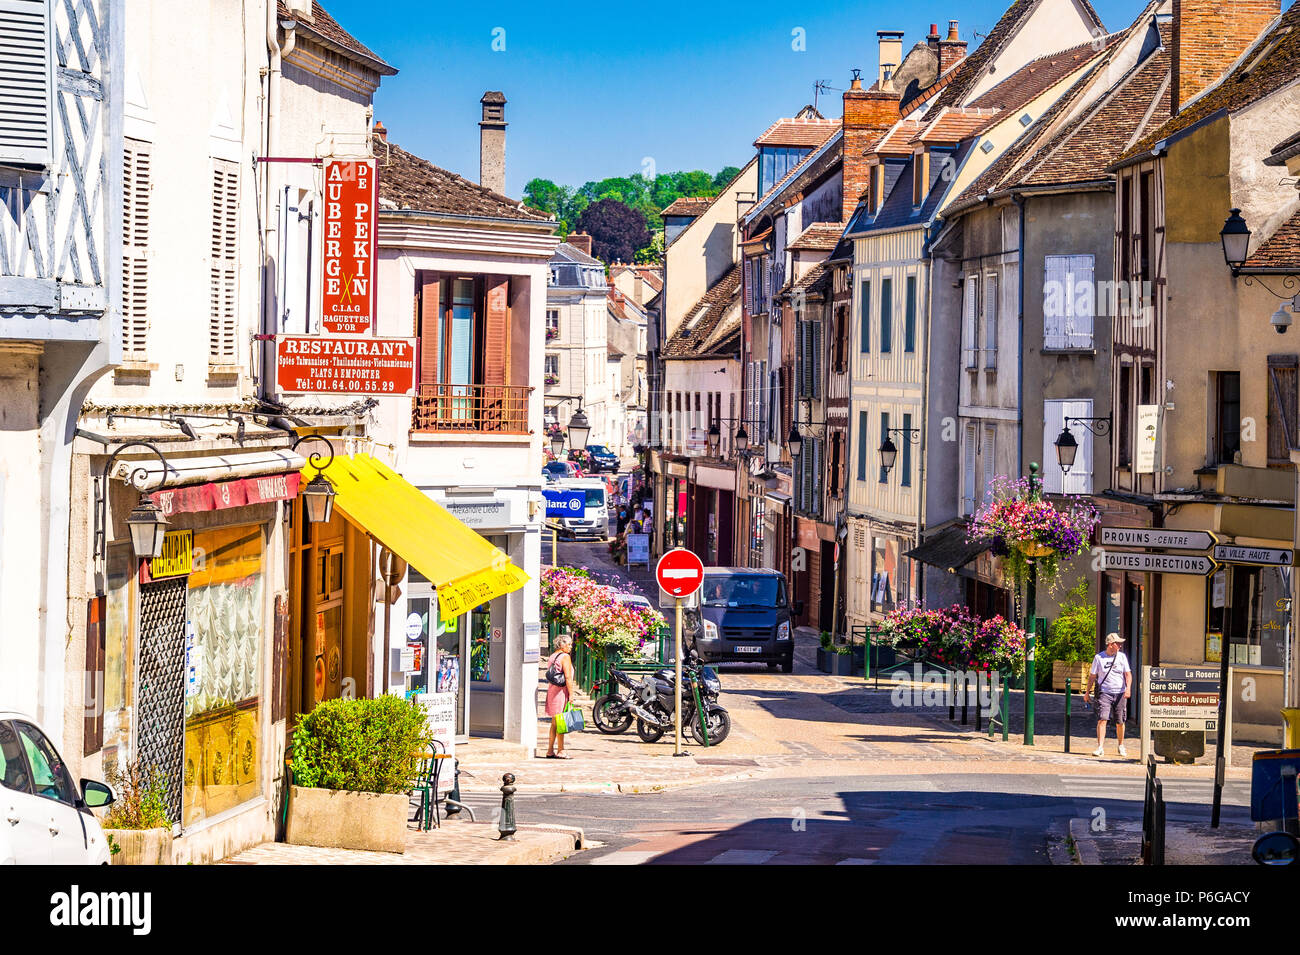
x=307 y=364
x=347 y=276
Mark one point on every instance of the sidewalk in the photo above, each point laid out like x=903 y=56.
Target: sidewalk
x=1185 y=844
x=455 y=843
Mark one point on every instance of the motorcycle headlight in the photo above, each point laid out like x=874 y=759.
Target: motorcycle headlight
x=710 y=630
x=783 y=630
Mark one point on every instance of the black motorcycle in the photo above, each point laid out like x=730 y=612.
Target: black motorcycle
x=612 y=712
x=653 y=705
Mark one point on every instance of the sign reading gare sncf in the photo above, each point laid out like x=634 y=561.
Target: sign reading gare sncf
x=351 y=197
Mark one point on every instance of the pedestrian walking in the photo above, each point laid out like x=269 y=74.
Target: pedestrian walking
x=1112 y=678
x=560 y=689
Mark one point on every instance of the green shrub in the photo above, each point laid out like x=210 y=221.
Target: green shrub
x=368 y=746
x=141 y=801
x=1072 y=636
x=826 y=640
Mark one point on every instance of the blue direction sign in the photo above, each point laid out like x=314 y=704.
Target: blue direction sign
x=565 y=503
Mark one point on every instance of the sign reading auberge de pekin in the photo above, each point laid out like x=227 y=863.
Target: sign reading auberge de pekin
x=348 y=292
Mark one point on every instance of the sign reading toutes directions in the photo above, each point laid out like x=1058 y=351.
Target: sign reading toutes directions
x=1160 y=537
x=1196 y=564
x=1258 y=556
x=680 y=573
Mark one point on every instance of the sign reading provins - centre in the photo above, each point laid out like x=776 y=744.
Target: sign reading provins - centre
x=312 y=364
x=1167 y=537
x=347 y=275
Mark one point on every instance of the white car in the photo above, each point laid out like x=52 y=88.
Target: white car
x=44 y=818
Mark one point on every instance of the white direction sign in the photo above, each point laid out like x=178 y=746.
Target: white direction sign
x=1262 y=556
x=1142 y=562
x=1167 y=537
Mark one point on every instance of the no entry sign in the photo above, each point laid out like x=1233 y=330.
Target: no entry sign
x=680 y=573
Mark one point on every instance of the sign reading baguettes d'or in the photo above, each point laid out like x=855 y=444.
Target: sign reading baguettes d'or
x=347 y=279
x=312 y=364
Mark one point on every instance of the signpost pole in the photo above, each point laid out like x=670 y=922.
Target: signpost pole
x=1222 y=729
x=677 y=662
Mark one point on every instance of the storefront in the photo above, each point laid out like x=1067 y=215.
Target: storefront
x=674 y=514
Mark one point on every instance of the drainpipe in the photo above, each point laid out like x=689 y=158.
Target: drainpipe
x=271 y=141
x=1019 y=200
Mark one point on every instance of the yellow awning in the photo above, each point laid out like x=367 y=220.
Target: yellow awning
x=464 y=567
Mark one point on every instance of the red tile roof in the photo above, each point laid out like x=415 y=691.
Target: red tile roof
x=688 y=206
x=1271 y=62
x=1281 y=250
x=1038 y=76
x=324 y=27
x=807 y=133
x=948 y=125
x=710 y=335
x=897 y=140
x=818 y=237
x=408 y=182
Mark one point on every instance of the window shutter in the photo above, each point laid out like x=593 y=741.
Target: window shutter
x=905 y=453
x=864 y=313
x=862 y=445
x=988 y=459
x=748 y=278
x=137 y=165
x=26 y=82
x=818 y=464
x=1053 y=423
x=430 y=299
x=1084 y=306
x=767 y=279
x=968 y=473
x=969 y=314
x=1282 y=394
x=909 y=320
x=991 y=321
x=1056 y=300
x=886 y=315
x=223 y=305
x=884 y=433
x=496 y=332
x=816 y=391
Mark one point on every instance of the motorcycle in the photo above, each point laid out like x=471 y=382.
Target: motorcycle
x=611 y=712
x=653 y=705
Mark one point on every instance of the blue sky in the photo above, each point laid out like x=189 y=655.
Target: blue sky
x=599 y=89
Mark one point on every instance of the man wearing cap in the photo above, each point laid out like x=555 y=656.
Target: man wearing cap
x=1113 y=679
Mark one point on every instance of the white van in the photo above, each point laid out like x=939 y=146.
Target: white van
x=594 y=523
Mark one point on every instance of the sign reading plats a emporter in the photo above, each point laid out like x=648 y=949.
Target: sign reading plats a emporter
x=314 y=364
x=348 y=288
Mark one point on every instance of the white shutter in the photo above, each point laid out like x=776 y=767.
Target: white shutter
x=991 y=320
x=816 y=391
x=1084 y=302
x=1056 y=304
x=968 y=471
x=969 y=343
x=223 y=311
x=137 y=168
x=747 y=278
x=26 y=82
x=989 y=460
x=1053 y=422
x=1079 y=480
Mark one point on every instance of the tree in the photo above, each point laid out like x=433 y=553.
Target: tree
x=617 y=231
x=723 y=177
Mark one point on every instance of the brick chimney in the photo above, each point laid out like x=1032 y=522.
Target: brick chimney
x=951 y=50
x=891 y=53
x=867 y=114
x=1208 y=36
x=380 y=131
x=580 y=241
x=492 y=142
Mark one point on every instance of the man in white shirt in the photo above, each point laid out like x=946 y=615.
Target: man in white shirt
x=1112 y=677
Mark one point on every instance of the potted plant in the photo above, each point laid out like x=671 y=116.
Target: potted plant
x=1021 y=527
x=842 y=660
x=824 y=653
x=353 y=764
x=1070 y=641
x=136 y=825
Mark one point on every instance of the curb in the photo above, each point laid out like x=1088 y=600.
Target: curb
x=1084 y=842
x=553 y=847
x=626 y=787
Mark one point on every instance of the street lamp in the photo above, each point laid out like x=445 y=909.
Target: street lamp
x=1236 y=240
x=888 y=455
x=146 y=522
x=742 y=439
x=713 y=437
x=148 y=527
x=557 y=443
x=579 y=430
x=1066 y=449
x=795 y=441
x=318 y=495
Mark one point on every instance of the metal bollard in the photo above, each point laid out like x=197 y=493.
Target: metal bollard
x=453 y=797
x=965 y=699
x=1067 y=714
x=506 y=827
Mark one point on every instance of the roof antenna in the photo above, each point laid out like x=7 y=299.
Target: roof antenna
x=819 y=87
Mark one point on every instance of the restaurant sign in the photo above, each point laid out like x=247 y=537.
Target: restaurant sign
x=177 y=558
x=313 y=364
x=220 y=495
x=347 y=278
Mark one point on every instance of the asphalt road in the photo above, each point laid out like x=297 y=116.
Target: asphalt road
x=846 y=820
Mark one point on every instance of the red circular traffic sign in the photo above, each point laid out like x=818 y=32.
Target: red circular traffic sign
x=680 y=573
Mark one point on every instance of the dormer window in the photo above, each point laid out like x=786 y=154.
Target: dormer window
x=875 y=187
x=920 y=175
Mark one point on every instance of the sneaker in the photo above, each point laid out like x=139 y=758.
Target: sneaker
x=1099 y=752
x=1123 y=751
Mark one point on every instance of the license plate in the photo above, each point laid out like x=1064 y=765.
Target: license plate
x=748 y=649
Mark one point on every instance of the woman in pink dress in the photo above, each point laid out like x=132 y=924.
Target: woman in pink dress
x=557 y=696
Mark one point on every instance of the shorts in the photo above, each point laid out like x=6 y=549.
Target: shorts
x=1112 y=707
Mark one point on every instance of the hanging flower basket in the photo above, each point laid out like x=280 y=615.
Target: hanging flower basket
x=955 y=637
x=1021 y=527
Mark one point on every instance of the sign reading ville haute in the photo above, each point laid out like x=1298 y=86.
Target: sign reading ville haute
x=348 y=288
x=310 y=364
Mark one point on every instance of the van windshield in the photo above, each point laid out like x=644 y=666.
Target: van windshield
x=595 y=497
x=740 y=590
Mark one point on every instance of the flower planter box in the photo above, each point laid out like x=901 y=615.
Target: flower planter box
x=842 y=664
x=825 y=659
x=338 y=819
x=1076 y=672
x=140 y=846
x=882 y=657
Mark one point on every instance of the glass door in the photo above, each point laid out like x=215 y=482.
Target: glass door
x=445 y=650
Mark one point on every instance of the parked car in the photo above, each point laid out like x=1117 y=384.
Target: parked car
x=602 y=459
x=594 y=523
x=743 y=617
x=49 y=818
x=560 y=470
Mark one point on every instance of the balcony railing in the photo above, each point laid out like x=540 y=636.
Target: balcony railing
x=478 y=409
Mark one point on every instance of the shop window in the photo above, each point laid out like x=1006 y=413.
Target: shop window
x=224 y=651
x=1126 y=412
x=119 y=627
x=1258 y=620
